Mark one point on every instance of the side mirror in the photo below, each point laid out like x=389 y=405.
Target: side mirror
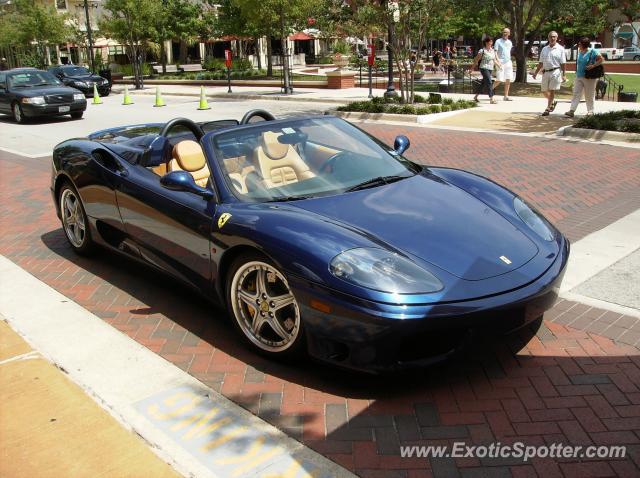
x=401 y=144
x=183 y=181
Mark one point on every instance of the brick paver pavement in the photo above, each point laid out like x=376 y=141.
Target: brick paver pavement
x=563 y=385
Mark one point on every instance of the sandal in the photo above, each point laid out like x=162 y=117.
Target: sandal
x=553 y=106
x=546 y=112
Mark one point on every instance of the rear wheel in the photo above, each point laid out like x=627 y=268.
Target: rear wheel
x=74 y=220
x=77 y=114
x=636 y=58
x=263 y=307
x=18 y=114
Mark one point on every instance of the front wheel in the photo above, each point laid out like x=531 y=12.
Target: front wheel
x=264 y=309
x=636 y=58
x=77 y=115
x=18 y=114
x=74 y=220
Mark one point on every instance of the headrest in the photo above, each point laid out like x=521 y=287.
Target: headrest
x=272 y=147
x=189 y=155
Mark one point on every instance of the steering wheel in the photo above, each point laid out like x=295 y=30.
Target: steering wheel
x=265 y=115
x=329 y=163
x=187 y=123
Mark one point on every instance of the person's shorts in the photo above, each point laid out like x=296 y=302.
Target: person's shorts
x=551 y=80
x=505 y=73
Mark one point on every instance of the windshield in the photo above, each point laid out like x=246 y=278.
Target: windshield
x=299 y=159
x=29 y=79
x=76 y=71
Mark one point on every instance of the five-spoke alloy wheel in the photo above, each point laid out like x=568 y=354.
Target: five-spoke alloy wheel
x=264 y=308
x=74 y=220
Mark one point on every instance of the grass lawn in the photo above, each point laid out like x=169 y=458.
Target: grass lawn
x=630 y=82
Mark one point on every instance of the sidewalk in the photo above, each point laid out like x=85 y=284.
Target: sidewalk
x=50 y=427
x=522 y=115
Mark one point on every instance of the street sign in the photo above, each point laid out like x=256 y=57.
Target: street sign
x=371 y=54
x=227 y=58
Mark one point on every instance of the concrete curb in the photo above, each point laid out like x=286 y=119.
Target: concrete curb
x=248 y=96
x=130 y=382
x=419 y=119
x=598 y=134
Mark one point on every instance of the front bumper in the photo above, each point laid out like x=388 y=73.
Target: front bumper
x=102 y=90
x=374 y=337
x=32 y=111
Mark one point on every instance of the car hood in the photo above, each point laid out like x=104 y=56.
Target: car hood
x=44 y=91
x=428 y=218
x=93 y=78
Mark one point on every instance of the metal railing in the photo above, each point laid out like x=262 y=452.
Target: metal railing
x=608 y=89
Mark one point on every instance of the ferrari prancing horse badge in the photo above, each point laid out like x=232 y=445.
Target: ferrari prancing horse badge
x=222 y=220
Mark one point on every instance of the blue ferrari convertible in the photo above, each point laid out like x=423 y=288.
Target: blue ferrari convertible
x=316 y=236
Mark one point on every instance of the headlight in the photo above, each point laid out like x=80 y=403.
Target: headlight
x=78 y=97
x=36 y=100
x=80 y=84
x=533 y=220
x=384 y=271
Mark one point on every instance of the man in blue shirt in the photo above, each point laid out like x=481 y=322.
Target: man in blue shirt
x=505 y=74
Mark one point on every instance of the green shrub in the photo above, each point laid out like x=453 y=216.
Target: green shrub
x=423 y=110
x=419 y=99
x=408 y=109
x=454 y=106
x=325 y=60
x=241 y=64
x=435 y=98
x=626 y=121
x=212 y=64
x=445 y=108
x=435 y=108
x=127 y=70
x=447 y=101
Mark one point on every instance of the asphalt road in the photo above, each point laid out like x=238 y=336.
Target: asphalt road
x=39 y=136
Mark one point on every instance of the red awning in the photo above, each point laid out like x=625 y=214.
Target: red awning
x=300 y=36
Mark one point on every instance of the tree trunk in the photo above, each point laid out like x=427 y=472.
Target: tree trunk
x=269 y=60
x=163 y=57
x=258 y=51
x=183 y=52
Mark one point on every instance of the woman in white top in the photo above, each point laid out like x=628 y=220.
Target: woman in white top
x=487 y=58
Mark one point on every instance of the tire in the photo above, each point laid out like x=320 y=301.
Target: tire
x=18 y=114
x=77 y=115
x=280 y=333
x=74 y=221
x=636 y=58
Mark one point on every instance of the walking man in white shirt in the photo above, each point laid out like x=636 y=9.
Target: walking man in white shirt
x=505 y=74
x=552 y=62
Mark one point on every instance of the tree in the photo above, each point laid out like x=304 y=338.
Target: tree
x=279 y=17
x=133 y=23
x=178 y=19
x=31 y=24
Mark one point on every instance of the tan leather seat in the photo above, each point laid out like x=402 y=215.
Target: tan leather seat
x=238 y=170
x=188 y=156
x=279 y=163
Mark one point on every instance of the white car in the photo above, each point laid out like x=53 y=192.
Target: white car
x=631 y=53
x=607 y=53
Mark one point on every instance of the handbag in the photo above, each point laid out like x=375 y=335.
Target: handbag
x=596 y=72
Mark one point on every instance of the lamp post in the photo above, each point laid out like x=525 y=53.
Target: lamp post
x=391 y=91
x=89 y=34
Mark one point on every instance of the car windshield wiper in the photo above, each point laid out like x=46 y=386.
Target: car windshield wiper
x=288 y=198
x=42 y=84
x=369 y=183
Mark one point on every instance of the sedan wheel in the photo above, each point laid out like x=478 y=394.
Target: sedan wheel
x=18 y=115
x=264 y=308
x=74 y=220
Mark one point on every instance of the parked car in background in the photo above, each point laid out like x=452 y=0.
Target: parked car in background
x=631 y=53
x=28 y=92
x=81 y=79
x=607 y=53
